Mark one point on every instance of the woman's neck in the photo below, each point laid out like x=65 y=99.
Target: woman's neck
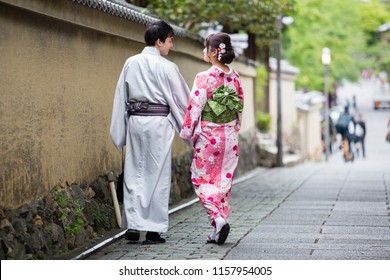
x=222 y=66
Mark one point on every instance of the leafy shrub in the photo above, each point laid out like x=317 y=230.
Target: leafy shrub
x=263 y=121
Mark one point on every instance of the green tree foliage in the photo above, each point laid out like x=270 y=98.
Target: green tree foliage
x=373 y=14
x=349 y=28
x=253 y=16
x=318 y=24
x=377 y=55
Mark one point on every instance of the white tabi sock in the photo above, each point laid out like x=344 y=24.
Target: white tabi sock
x=219 y=222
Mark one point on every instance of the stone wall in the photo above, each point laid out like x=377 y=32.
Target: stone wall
x=68 y=218
x=74 y=216
x=287 y=101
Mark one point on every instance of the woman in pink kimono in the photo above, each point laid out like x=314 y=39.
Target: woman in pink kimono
x=212 y=123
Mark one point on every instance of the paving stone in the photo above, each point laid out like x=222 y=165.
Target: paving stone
x=312 y=211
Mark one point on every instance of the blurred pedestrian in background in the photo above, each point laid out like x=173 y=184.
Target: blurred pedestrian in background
x=345 y=127
x=360 y=134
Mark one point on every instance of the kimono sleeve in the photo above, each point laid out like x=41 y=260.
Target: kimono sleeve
x=196 y=103
x=240 y=93
x=119 y=114
x=179 y=97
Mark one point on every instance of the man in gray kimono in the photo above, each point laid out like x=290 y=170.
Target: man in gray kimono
x=149 y=105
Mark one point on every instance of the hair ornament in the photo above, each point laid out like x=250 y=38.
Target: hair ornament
x=221 y=50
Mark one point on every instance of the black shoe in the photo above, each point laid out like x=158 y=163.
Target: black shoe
x=132 y=235
x=153 y=238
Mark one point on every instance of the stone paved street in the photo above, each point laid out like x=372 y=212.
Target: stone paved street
x=328 y=210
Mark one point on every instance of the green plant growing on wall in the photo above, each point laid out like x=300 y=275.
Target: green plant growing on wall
x=71 y=212
x=102 y=216
x=261 y=82
x=77 y=225
x=35 y=257
x=59 y=197
x=263 y=121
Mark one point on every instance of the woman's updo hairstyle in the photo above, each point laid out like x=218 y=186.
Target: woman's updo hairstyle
x=222 y=43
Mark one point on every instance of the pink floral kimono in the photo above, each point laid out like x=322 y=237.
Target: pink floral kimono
x=215 y=145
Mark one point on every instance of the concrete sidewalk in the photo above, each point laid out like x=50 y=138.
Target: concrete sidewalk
x=310 y=211
x=340 y=210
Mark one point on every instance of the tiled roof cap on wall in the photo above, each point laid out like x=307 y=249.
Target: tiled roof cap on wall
x=121 y=8
x=132 y=13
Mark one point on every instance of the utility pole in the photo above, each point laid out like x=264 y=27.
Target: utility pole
x=326 y=59
x=279 y=134
x=279 y=140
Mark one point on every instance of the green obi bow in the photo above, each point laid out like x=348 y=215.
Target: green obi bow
x=225 y=98
x=223 y=107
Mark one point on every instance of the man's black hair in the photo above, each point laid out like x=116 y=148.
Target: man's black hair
x=157 y=30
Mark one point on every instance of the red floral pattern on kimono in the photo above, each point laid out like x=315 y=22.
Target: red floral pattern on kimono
x=215 y=155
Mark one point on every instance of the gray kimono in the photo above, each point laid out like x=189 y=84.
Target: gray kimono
x=148 y=139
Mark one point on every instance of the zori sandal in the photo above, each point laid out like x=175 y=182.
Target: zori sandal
x=222 y=234
x=153 y=238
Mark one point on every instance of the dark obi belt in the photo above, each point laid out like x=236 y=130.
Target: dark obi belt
x=147 y=109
